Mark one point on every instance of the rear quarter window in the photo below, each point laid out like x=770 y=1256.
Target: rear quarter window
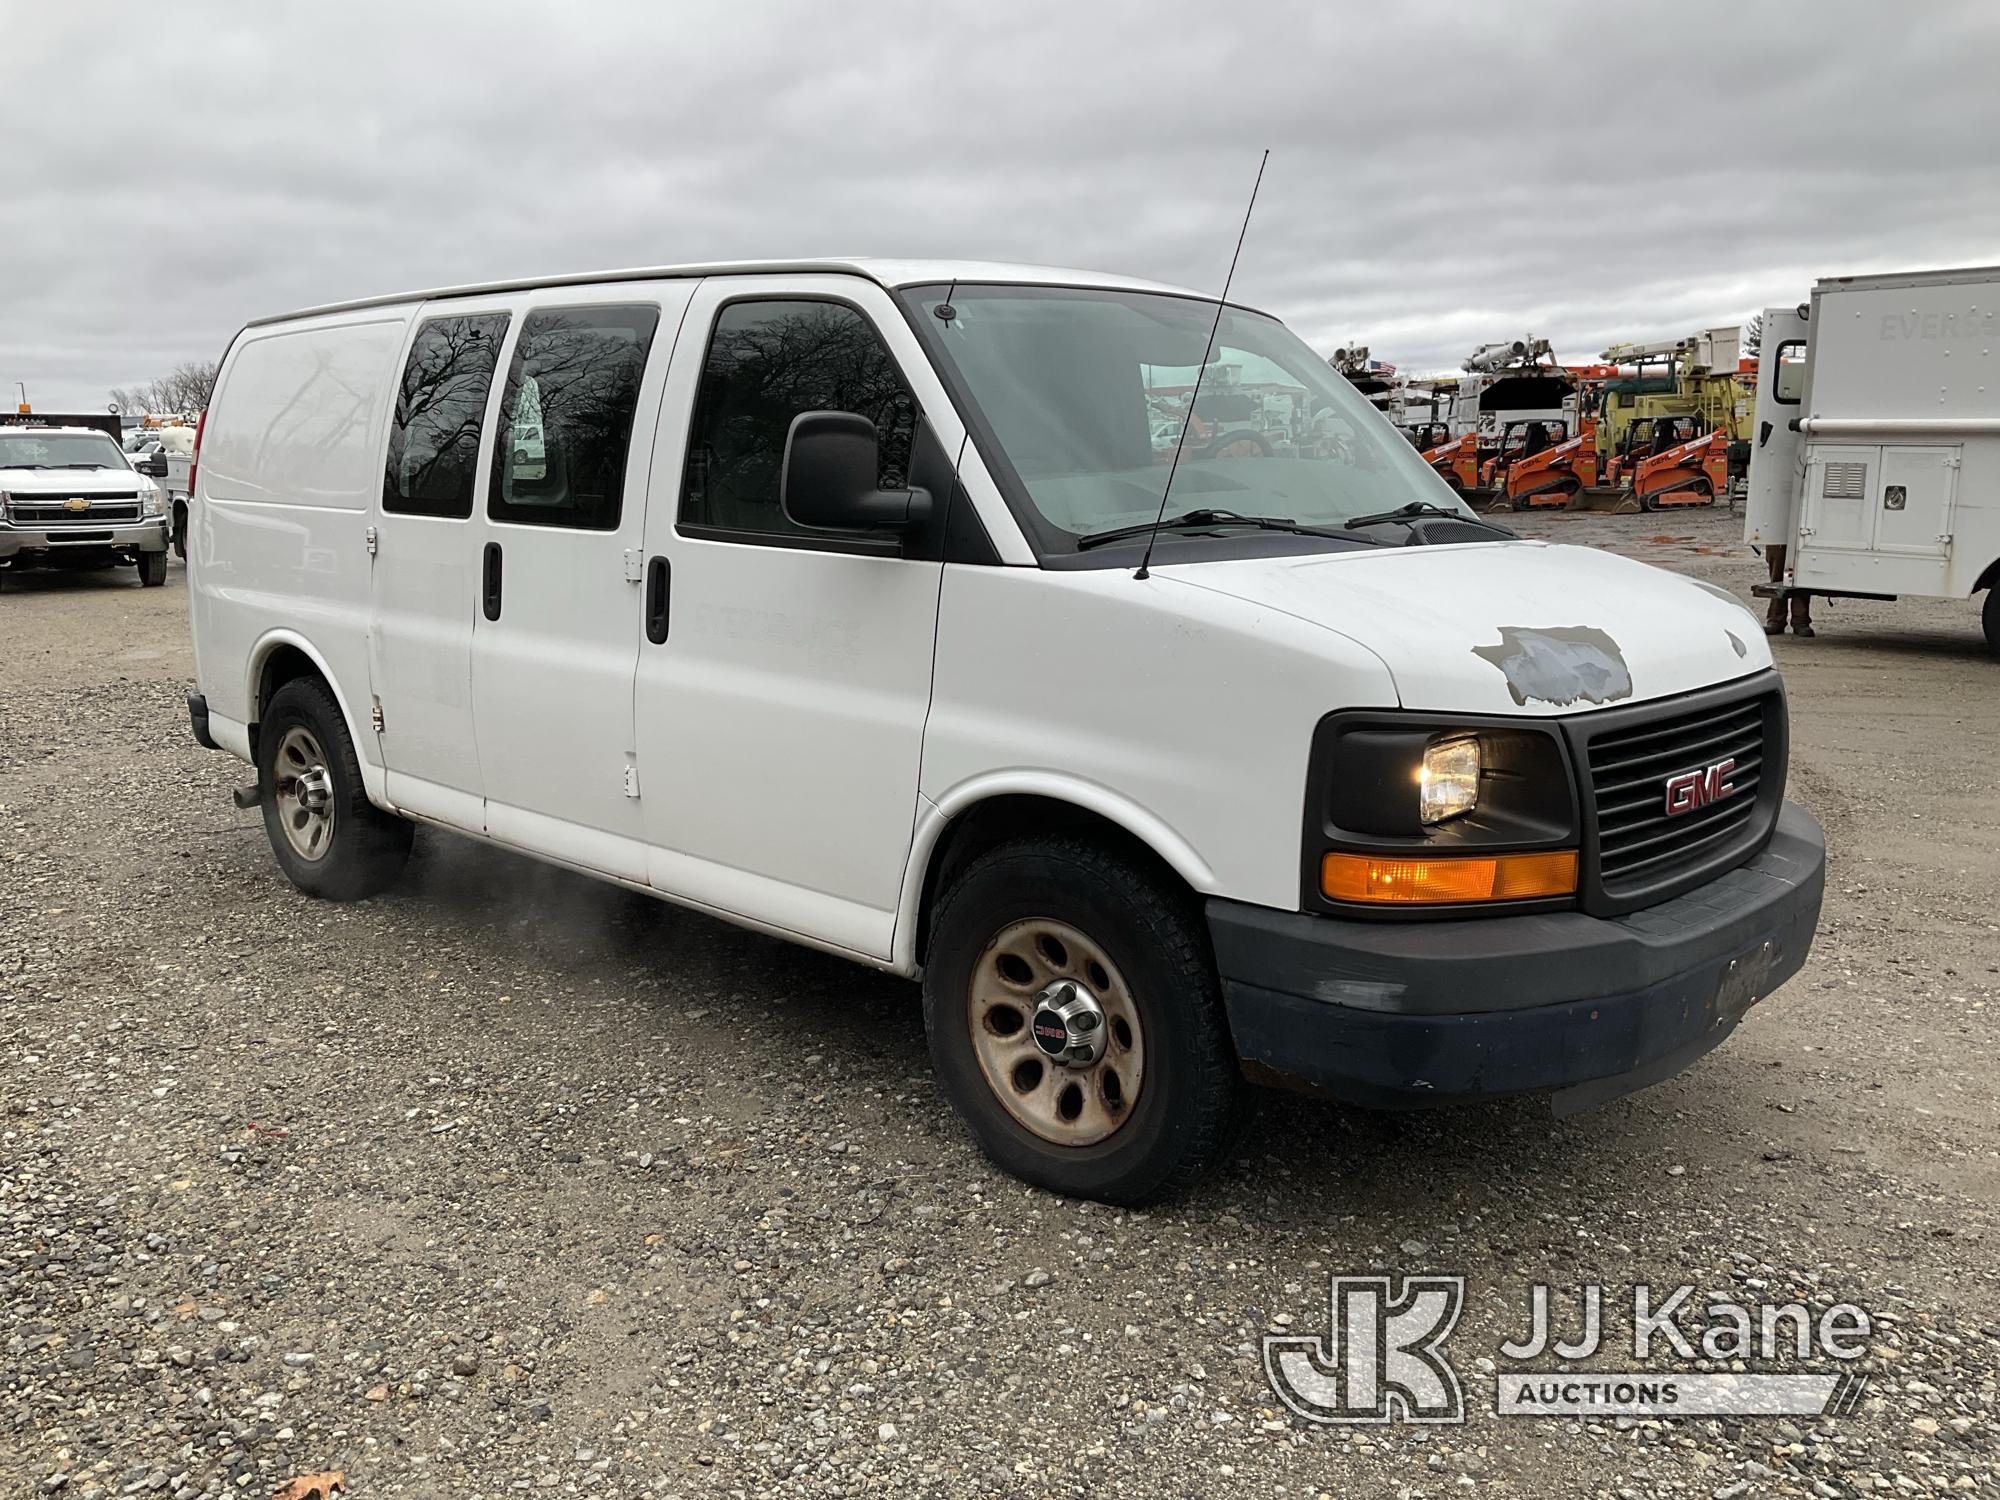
x=296 y=421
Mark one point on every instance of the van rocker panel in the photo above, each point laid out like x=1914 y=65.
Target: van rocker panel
x=1410 y=1014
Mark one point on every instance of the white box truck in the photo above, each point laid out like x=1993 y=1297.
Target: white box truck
x=836 y=599
x=1876 y=458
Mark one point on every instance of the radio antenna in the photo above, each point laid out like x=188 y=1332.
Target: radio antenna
x=1200 y=370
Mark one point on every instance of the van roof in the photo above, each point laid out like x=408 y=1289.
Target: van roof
x=888 y=273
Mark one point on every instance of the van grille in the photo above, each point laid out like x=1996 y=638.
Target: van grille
x=1642 y=852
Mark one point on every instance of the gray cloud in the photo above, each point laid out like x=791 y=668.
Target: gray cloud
x=1442 y=174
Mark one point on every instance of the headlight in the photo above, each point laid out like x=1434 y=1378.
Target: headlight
x=1448 y=780
x=151 y=502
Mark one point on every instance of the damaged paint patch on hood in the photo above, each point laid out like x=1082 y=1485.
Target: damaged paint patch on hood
x=1564 y=665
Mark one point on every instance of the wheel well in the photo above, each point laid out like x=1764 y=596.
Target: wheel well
x=1002 y=820
x=283 y=665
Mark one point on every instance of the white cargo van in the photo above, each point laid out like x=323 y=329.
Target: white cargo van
x=1876 y=461
x=817 y=596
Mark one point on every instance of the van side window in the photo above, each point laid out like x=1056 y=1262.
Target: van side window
x=767 y=362
x=566 y=416
x=434 y=440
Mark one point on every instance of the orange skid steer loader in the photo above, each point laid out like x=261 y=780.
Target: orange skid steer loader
x=1552 y=478
x=1693 y=473
x=1457 y=463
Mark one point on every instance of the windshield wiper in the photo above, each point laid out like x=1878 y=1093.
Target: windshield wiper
x=1207 y=517
x=1408 y=512
x=83 y=466
x=23 y=466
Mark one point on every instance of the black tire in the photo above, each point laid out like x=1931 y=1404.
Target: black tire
x=365 y=848
x=152 y=569
x=1192 y=1096
x=1989 y=617
x=180 y=530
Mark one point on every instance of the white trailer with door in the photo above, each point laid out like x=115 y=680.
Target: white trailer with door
x=1877 y=452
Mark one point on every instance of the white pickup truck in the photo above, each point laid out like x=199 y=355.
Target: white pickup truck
x=69 y=497
x=854 y=602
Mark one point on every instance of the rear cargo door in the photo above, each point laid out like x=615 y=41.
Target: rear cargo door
x=1770 y=515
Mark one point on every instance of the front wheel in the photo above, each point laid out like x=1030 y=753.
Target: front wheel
x=329 y=838
x=1076 y=1022
x=1989 y=617
x=152 y=569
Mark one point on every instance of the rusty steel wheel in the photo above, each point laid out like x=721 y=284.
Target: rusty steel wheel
x=1056 y=1032
x=1075 y=1018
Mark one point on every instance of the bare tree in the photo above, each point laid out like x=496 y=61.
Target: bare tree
x=185 y=388
x=1753 y=335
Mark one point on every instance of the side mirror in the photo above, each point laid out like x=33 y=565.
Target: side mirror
x=832 y=460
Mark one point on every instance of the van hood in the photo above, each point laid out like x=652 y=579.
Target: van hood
x=1517 y=627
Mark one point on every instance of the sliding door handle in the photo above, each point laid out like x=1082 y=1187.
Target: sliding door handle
x=490 y=589
x=659 y=579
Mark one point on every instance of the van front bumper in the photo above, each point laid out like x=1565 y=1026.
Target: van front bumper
x=147 y=535
x=1414 y=1013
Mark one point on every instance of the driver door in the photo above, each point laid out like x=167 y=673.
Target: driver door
x=786 y=673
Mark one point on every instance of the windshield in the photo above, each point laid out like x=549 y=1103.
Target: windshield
x=1085 y=395
x=59 y=450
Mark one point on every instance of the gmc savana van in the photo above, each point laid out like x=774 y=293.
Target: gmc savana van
x=829 y=598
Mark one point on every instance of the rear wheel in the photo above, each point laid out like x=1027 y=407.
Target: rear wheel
x=1075 y=1020
x=181 y=530
x=152 y=569
x=329 y=838
x=1989 y=616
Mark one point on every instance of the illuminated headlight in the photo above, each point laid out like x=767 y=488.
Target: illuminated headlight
x=1448 y=780
x=151 y=501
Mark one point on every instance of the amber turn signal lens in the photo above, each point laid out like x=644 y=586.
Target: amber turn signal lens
x=1415 y=882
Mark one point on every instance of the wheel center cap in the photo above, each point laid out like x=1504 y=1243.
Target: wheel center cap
x=315 y=789
x=1068 y=1024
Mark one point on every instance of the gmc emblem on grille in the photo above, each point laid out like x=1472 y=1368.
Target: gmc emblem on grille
x=1692 y=789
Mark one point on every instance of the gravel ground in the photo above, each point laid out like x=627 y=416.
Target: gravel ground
x=511 y=1181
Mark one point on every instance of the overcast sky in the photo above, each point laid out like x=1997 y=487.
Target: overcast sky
x=1441 y=174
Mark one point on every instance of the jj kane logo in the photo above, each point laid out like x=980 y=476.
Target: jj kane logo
x=1385 y=1361
x=1384 y=1357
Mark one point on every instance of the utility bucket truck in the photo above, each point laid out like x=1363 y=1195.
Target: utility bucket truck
x=1877 y=450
